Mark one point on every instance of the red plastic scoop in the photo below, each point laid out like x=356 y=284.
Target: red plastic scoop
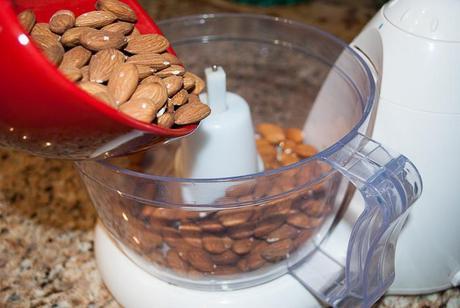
x=44 y=113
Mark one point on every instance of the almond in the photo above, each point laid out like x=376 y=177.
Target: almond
x=144 y=71
x=173 y=84
x=120 y=27
x=267 y=153
x=180 y=98
x=200 y=260
x=234 y=217
x=166 y=120
x=243 y=246
x=85 y=73
x=72 y=73
x=103 y=63
x=216 y=244
x=314 y=208
x=52 y=50
x=258 y=213
x=288 y=159
x=262 y=187
x=288 y=146
x=280 y=208
x=305 y=150
x=175 y=262
x=156 y=257
x=146 y=240
x=225 y=270
x=169 y=106
x=241 y=231
x=98 y=91
x=271 y=132
x=95 y=19
x=171 y=58
x=71 y=37
x=46 y=41
x=191 y=113
x=244 y=199
x=154 y=92
x=150 y=240
x=44 y=29
x=194 y=99
x=303 y=221
x=268 y=225
x=199 y=83
x=275 y=191
x=188 y=227
x=118 y=8
x=27 y=20
x=211 y=226
x=61 y=21
x=173 y=238
x=254 y=258
x=96 y=40
x=166 y=214
x=277 y=251
x=123 y=82
x=153 y=79
x=193 y=239
x=133 y=34
x=140 y=109
x=240 y=190
x=173 y=70
x=226 y=258
x=282 y=233
x=189 y=81
x=242 y=265
x=182 y=252
x=76 y=57
x=286 y=182
x=294 y=134
x=225 y=201
x=153 y=60
x=147 y=43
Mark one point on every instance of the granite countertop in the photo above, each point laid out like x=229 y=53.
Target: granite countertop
x=47 y=220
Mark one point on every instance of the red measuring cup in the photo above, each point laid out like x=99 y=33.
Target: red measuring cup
x=43 y=113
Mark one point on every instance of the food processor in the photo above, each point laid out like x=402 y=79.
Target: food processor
x=176 y=229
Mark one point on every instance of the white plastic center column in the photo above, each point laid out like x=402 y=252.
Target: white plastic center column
x=216 y=97
x=223 y=145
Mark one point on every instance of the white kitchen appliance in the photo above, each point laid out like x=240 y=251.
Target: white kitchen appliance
x=411 y=49
x=414 y=47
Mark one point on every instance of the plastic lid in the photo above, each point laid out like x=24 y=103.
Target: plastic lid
x=432 y=19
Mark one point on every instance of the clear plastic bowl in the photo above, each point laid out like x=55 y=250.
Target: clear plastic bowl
x=266 y=224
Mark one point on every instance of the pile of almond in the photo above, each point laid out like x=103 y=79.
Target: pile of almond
x=106 y=55
x=281 y=147
x=233 y=241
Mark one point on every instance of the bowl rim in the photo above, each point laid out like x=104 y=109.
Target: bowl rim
x=368 y=104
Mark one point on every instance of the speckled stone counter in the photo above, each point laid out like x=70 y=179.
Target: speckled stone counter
x=47 y=220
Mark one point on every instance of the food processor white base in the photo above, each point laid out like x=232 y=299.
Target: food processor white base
x=133 y=287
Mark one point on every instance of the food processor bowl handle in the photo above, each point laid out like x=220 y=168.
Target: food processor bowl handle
x=389 y=184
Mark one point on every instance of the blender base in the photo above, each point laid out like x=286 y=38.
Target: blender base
x=133 y=287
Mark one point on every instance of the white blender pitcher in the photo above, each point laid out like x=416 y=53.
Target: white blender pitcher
x=171 y=236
